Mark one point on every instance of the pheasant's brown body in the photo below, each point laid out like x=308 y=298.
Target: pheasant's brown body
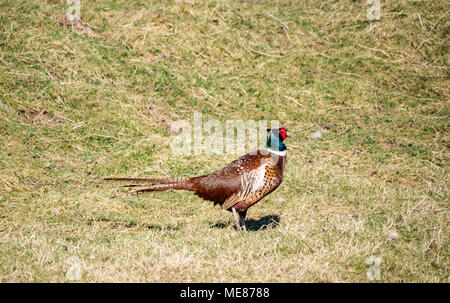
x=243 y=182
x=235 y=187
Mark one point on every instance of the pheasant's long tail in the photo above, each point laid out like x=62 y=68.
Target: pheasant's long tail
x=156 y=184
x=149 y=180
x=160 y=187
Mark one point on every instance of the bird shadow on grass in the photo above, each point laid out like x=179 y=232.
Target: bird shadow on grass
x=266 y=222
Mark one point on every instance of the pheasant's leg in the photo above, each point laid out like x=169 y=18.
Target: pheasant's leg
x=242 y=220
x=236 y=220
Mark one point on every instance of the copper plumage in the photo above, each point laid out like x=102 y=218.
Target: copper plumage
x=235 y=187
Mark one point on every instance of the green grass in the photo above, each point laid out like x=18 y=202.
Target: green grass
x=79 y=105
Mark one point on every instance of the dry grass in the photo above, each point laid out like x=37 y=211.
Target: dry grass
x=75 y=106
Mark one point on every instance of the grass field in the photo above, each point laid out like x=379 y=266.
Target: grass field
x=97 y=99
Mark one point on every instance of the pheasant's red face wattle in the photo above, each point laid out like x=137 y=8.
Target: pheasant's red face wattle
x=283 y=133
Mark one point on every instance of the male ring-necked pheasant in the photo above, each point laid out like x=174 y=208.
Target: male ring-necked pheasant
x=237 y=186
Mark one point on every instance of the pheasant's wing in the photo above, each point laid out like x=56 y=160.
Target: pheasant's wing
x=251 y=182
x=235 y=180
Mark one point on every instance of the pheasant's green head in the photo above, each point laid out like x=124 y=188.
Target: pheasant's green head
x=275 y=139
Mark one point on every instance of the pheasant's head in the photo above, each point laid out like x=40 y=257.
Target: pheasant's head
x=275 y=139
x=280 y=133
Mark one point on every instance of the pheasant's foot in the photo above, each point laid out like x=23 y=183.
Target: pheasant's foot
x=242 y=220
x=236 y=219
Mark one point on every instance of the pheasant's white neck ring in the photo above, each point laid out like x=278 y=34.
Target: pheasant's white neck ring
x=281 y=153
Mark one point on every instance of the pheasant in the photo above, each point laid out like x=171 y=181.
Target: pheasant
x=235 y=187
